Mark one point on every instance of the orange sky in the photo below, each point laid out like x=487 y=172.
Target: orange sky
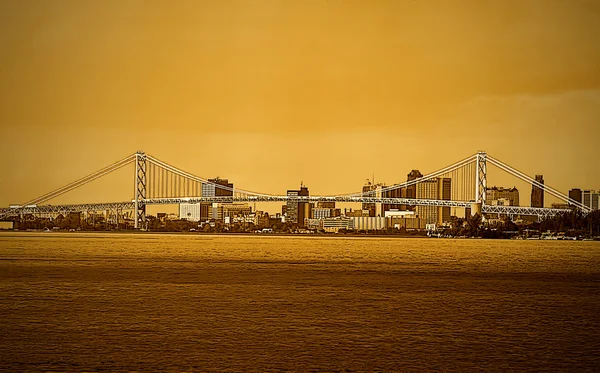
x=271 y=93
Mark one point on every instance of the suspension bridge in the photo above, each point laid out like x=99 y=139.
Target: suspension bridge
x=158 y=183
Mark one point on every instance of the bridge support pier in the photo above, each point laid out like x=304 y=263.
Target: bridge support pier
x=140 y=190
x=481 y=178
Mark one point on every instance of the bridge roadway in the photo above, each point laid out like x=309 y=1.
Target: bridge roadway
x=130 y=205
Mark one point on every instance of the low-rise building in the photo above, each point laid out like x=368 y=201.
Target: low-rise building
x=6 y=225
x=399 y=213
x=333 y=225
x=316 y=224
x=409 y=223
x=189 y=211
x=369 y=223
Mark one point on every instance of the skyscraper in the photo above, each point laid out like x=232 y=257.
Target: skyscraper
x=537 y=193
x=444 y=193
x=440 y=189
x=427 y=189
x=223 y=187
x=296 y=211
x=216 y=187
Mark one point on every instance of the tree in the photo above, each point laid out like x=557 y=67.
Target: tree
x=474 y=225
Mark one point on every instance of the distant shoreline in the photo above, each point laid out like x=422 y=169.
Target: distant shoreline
x=246 y=234
x=8 y=233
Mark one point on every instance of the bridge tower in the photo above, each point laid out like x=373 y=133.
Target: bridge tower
x=140 y=189
x=480 y=178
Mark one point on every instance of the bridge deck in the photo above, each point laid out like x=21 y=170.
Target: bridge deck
x=63 y=209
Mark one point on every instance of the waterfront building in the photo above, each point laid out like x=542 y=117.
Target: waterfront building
x=409 y=223
x=212 y=211
x=189 y=211
x=6 y=225
x=333 y=225
x=537 y=193
x=316 y=224
x=262 y=219
x=368 y=223
x=296 y=211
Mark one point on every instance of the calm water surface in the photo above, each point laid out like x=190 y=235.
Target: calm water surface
x=88 y=302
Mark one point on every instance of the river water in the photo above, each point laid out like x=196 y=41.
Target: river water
x=123 y=302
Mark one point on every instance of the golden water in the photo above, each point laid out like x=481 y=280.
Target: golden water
x=87 y=302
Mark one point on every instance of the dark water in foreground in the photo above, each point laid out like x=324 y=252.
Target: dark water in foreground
x=79 y=302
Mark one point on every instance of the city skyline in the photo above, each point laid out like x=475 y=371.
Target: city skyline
x=160 y=187
x=437 y=198
x=324 y=93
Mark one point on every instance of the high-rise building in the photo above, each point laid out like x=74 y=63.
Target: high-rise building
x=216 y=187
x=223 y=187
x=591 y=199
x=427 y=189
x=575 y=194
x=537 y=193
x=495 y=193
x=296 y=211
x=373 y=191
x=440 y=189
x=444 y=193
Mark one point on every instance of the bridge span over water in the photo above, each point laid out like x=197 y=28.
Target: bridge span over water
x=158 y=183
